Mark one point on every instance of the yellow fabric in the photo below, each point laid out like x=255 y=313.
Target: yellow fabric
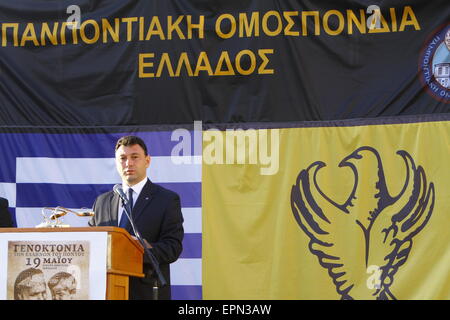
x=253 y=247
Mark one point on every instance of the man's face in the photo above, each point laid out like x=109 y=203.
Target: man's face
x=132 y=164
x=66 y=289
x=35 y=289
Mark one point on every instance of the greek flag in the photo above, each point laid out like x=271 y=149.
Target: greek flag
x=70 y=169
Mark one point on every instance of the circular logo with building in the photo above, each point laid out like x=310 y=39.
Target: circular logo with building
x=435 y=65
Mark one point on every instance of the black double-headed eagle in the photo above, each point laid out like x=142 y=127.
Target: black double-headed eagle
x=371 y=218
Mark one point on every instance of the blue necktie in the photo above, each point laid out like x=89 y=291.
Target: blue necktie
x=124 y=219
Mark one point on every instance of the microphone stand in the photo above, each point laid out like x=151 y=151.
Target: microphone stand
x=149 y=254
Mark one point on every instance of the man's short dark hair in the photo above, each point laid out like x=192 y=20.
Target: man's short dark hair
x=131 y=141
x=56 y=278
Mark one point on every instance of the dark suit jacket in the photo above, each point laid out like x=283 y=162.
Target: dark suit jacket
x=158 y=218
x=5 y=217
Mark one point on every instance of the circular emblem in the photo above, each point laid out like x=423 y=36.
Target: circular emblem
x=435 y=65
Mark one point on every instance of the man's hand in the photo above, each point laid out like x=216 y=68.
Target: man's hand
x=148 y=245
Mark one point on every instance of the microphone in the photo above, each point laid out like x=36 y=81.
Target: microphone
x=119 y=191
x=126 y=205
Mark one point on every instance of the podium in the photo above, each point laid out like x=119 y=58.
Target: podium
x=124 y=255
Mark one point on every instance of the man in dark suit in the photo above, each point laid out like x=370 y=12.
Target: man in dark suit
x=5 y=217
x=156 y=212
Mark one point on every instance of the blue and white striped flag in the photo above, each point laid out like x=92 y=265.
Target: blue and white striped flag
x=71 y=169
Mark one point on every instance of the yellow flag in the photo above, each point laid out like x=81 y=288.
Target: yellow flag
x=358 y=212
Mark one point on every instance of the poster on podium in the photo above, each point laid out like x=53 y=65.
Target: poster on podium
x=53 y=265
x=36 y=267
